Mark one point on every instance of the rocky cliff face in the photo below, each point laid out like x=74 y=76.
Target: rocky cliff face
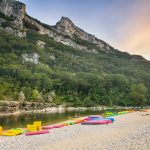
x=65 y=26
x=13 y=8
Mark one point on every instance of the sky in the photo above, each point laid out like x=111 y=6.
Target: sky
x=124 y=24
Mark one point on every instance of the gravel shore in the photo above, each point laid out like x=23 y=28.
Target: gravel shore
x=129 y=132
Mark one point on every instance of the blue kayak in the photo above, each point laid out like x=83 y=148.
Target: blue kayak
x=96 y=118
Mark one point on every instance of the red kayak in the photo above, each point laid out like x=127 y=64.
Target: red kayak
x=37 y=132
x=53 y=126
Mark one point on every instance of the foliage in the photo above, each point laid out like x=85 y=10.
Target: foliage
x=78 y=78
x=138 y=94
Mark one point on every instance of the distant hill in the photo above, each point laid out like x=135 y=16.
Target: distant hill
x=78 y=68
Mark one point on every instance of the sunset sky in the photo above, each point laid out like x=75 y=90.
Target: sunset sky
x=124 y=24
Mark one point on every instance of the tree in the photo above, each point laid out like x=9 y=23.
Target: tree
x=36 y=95
x=138 y=94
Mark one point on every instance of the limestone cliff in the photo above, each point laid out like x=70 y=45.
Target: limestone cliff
x=13 y=8
x=22 y=22
x=66 y=27
x=14 y=19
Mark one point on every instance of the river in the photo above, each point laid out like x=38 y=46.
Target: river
x=20 y=121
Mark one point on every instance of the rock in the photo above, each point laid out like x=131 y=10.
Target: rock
x=14 y=8
x=51 y=96
x=31 y=58
x=40 y=44
x=64 y=31
x=66 y=27
x=15 y=32
x=33 y=24
x=21 y=97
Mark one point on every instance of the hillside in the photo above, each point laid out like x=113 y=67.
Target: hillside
x=64 y=64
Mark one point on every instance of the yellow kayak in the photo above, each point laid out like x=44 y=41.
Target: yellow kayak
x=9 y=134
x=13 y=132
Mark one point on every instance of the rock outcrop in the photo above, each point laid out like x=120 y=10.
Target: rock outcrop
x=15 y=9
x=64 y=31
x=40 y=44
x=34 y=58
x=66 y=27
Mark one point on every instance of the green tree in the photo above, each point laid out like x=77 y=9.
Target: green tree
x=36 y=95
x=138 y=94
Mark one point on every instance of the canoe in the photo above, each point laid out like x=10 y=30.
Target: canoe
x=37 y=132
x=95 y=122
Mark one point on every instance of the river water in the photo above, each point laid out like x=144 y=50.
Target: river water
x=20 y=121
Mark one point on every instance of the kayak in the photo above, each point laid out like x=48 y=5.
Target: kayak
x=122 y=112
x=47 y=127
x=145 y=110
x=21 y=131
x=9 y=134
x=37 y=132
x=53 y=126
x=58 y=126
x=109 y=120
x=13 y=132
x=95 y=122
x=79 y=121
x=112 y=119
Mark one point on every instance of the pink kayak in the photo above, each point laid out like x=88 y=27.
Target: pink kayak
x=53 y=126
x=37 y=132
x=95 y=122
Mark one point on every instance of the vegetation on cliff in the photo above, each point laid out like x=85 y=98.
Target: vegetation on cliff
x=77 y=77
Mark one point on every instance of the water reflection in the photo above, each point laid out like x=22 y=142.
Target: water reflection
x=46 y=118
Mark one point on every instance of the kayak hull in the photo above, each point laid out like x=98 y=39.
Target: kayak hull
x=37 y=132
x=95 y=122
x=53 y=126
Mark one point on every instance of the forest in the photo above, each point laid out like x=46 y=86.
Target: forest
x=77 y=78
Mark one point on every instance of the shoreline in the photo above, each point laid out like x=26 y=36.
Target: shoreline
x=130 y=131
x=59 y=109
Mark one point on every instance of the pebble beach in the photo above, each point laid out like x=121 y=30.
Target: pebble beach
x=129 y=132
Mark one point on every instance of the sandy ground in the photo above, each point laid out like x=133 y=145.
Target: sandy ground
x=129 y=132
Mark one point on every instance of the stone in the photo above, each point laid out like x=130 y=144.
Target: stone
x=15 y=32
x=21 y=96
x=64 y=31
x=14 y=8
x=31 y=58
x=40 y=44
x=51 y=96
x=66 y=27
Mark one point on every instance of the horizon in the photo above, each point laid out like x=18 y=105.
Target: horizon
x=126 y=30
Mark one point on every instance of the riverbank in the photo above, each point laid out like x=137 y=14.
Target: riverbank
x=9 y=108
x=59 y=109
x=129 y=132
